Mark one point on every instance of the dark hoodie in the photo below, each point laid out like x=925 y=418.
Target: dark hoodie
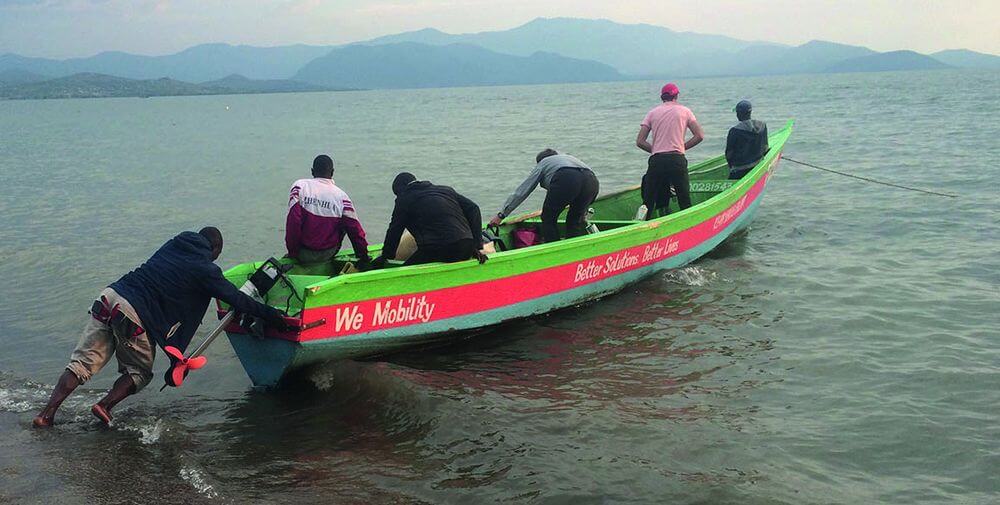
x=435 y=215
x=746 y=145
x=176 y=285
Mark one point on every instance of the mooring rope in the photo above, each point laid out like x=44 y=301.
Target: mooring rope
x=810 y=165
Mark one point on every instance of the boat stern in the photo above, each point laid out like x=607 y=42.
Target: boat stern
x=266 y=360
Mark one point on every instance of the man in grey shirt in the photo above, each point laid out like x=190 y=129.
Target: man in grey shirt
x=568 y=181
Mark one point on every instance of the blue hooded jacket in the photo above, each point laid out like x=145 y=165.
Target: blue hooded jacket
x=176 y=285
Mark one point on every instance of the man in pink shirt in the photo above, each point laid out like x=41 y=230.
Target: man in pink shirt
x=320 y=214
x=668 y=122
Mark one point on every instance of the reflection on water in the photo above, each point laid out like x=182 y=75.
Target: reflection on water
x=619 y=359
x=840 y=351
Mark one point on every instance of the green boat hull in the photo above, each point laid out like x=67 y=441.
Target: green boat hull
x=373 y=313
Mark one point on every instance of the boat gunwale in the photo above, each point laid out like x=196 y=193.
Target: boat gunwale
x=679 y=221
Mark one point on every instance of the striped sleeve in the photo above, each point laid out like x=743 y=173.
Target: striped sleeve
x=352 y=227
x=349 y=211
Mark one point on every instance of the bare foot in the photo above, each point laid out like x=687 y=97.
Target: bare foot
x=101 y=413
x=42 y=422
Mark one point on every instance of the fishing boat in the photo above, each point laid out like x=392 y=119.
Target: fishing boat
x=362 y=314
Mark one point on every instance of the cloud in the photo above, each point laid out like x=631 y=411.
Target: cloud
x=50 y=3
x=305 y=6
x=56 y=6
x=397 y=8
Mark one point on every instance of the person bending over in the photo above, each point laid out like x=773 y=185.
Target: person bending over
x=447 y=226
x=746 y=143
x=162 y=302
x=320 y=214
x=667 y=165
x=568 y=182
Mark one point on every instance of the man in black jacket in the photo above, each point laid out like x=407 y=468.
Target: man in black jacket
x=161 y=302
x=746 y=143
x=446 y=225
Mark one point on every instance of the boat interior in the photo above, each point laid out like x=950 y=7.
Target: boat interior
x=612 y=210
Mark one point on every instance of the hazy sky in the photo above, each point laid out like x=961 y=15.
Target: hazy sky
x=62 y=28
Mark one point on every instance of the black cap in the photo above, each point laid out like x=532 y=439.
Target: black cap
x=743 y=107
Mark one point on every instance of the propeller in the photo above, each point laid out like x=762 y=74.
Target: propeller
x=182 y=365
x=255 y=287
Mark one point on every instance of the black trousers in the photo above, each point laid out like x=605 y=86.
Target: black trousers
x=447 y=253
x=739 y=173
x=666 y=171
x=575 y=187
x=662 y=198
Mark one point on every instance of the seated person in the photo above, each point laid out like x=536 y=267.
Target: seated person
x=568 y=182
x=446 y=225
x=319 y=215
x=746 y=143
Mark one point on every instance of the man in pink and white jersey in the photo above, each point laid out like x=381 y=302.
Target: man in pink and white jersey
x=319 y=215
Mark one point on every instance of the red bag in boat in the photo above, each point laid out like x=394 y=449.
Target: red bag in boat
x=525 y=237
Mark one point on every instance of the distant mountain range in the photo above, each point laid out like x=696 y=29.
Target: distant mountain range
x=92 y=85
x=200 y=63
x=632 y=49
x=541 y=51
x=14 y=76
x=884 y=62
x=963 y=58
x=237 y=83
x=652 y=51
x=412 y=65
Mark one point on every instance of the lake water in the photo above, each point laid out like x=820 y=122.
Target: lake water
x=845 y=350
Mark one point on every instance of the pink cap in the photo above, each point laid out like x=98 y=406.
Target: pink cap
x=670 y=89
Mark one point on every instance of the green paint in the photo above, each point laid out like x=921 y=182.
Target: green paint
x=711 y=194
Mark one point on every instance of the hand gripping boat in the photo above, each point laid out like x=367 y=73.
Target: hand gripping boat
x=378 y=312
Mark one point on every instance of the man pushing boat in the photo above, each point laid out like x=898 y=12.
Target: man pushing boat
x=162 y=302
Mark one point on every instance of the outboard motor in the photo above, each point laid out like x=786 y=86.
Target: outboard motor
x=256 y=287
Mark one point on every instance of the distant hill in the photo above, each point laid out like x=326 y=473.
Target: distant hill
x=963 y=58
x=413 y=65
x=14 y=76
x=884 y=62
x=199 y=63
x=90 y=85
x=241 y=84
x=813 y=56
x=637 y=49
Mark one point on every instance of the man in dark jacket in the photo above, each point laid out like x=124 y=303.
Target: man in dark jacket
x=446 y=225
x=162 y=302
x=746 y=143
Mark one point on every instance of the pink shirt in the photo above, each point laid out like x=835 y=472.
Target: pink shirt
x=669 y=122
